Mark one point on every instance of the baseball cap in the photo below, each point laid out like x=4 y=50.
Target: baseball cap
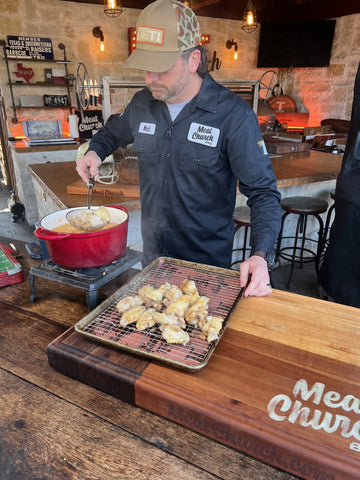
x=164 y=29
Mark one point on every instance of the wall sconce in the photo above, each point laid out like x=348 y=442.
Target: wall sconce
x=249 y=18
x=205 y=39
x=131 y=39
x=112 y=8
x=97 y=32
x=231 y=43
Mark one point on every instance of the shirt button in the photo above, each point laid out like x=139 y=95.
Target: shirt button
x=166 y=182
x=168 y=155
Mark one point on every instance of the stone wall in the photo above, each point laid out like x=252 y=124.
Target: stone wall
x=324 y=92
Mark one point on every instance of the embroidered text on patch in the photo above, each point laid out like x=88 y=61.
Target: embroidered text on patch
x=152 y=35
x=203 y=134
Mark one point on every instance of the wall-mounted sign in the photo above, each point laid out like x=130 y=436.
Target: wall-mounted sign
x=36 y=48
x=56 y=100
x=89 y=120
x=24 y=72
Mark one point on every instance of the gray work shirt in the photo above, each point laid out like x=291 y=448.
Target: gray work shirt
x=189 y=170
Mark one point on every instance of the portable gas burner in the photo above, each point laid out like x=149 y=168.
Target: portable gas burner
x=88 y=279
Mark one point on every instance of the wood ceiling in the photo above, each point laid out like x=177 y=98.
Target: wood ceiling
x=267 y=10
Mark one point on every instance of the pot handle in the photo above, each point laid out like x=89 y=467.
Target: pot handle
x=44 y=235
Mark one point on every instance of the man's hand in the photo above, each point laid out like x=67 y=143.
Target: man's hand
x=88 y=166
x=259 y=284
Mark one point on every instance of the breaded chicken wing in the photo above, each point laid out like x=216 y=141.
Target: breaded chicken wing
x=152 y=297
x=128 y=302
x=173 y=334
x=197 y=312
x=132 y=315
x=163 y=319
x=146 y=320
x=172 y=294
x=189 y=286
x=179 y=306
x=211 y=327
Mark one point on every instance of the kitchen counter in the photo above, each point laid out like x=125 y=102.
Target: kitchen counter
x=290 y=170
x=308 y=173
x=54 y=426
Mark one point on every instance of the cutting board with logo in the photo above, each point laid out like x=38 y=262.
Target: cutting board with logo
x=118 y=189
x=283 y=384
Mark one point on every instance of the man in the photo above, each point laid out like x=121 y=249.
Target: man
x=194 y=139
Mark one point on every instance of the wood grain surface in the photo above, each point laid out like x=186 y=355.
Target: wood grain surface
x=54 y=427
x=118 y=189
x=278 y=387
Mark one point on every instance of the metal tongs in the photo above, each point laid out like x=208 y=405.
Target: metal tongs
x=90 y=191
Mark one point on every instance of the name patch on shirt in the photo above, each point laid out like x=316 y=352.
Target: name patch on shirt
x=203 y=134
x=148 y=128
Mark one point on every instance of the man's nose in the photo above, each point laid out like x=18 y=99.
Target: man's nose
x=151 y=77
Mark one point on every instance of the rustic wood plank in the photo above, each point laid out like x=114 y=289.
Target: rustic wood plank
x=309 y=324
x=44 y=436
x=53 y=300
x=34 y=333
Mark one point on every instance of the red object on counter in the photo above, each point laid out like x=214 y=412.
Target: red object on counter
x=10 y=270
x=85 y=249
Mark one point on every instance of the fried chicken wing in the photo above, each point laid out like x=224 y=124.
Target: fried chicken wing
x=179 y=306
x=211 y=327
x=146 y=320
x=128 y=302
x=152 y=297
x=189 y=286
x=197 y=313
x=172 y=294
x=163 y=319
x=132 y=315
x=173 y=334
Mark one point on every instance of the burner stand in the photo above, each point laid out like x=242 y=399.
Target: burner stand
x=88 y=279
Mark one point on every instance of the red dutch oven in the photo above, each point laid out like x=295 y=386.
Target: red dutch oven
x=85 y=249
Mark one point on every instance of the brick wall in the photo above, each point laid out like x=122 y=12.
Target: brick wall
x=324 y=92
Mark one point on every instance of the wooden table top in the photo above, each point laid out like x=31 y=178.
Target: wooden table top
x=290 y=169
x=56 y=427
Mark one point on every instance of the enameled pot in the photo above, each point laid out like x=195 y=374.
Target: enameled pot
x=85 y=249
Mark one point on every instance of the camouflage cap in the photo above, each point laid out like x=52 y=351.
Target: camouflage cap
x=164 y=29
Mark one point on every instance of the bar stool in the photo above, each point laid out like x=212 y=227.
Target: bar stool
x=241 y=218
x=304 y=207
x=328 y=219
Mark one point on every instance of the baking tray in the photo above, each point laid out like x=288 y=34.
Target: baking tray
x=220 y=285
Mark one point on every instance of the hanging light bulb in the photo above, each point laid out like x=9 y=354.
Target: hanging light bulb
x=249 y=18
x=112 y=8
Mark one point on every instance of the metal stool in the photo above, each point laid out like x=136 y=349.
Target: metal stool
x=242 y=219
x=303 y=207
x=328 y=219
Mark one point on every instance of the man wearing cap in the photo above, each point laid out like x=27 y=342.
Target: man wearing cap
x=194 y=139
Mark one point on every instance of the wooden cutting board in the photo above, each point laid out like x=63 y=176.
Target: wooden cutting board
x=283 y=384
x=116 y=189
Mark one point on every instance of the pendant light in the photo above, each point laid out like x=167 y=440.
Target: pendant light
x=249 y=18
x=112 y=8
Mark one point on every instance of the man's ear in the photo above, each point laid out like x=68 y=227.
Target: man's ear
x=194 y=60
